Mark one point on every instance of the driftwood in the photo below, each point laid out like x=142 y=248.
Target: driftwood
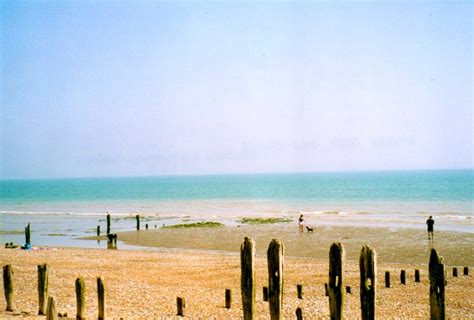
x=8 y=285
x=101 y=298
x=275 y=279
x=80 y=298
x=336 y=283
x=43 y=279
x=368 y=282
x=247 y=280
x=437 y=283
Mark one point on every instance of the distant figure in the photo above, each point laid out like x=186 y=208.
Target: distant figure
x=300 y=224
x=430 y=223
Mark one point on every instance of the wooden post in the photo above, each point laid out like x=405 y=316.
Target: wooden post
x=275 y=278
x=247 y=280
x=138 y=222
x=299 y=291
x=108 y=224
x=299 y=314
x=101 y=298
x=436 y=271
x=228 y=298
x=27 y=235
x=181 y=305
x=387 y=279
x=368 y=282
x=348 y=289
x=466 y=271
x=8 y=285
x=402 y=277
x=455 y=272
x=51 y=313
x=265 y=293
x=146 y=226
x=417 y=275
x=98 y=230
x=326 y=290
x=336 y=283
x=43 y=280
x=80 y=298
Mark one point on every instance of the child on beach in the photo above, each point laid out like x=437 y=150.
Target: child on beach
x=300 y=224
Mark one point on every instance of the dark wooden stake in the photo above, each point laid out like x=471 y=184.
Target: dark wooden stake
x=455 y=272
x=387 y=279
x=326 y=290
x=27 y=235
x=228 y=298
x=402 y=277
x=368 y=282
x=51 y=313
x=138 y=222
x=299 y=291
x=108 y=224
x=80 y=298
x=336 y=283
x=466 y=271
x=348 y=289
x=181 y=305
x=436 y=274
x=101 y=298
x=299 y=314
x=43 y=279
x=146 y=226
x=265 y=293
x=98 y=230
x=8 y=285
x=247 y=280
x=417 y=275
x=275 y=278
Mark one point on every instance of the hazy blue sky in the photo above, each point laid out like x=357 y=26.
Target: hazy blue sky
x=93 y=88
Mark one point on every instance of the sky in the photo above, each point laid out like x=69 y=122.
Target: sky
x=129 y=88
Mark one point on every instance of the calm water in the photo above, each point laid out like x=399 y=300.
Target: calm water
x=67 y=208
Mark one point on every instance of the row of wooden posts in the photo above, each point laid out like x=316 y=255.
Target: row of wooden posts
x=335 y=288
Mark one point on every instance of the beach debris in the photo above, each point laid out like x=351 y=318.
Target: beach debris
x=368 y=282
x=108 y=224
x=403 y=277
x=299 y=291
x=265 y=294
x=336 y=283
x=387 y=279
x=417 y=275
x=8 y=285
x=299 y=314
x=228 y=298
x=43 y=280
x=275 y=278
x=51 y=313
x=181 y=305
x=437 y=283
x=101 y=298
x=80 y=298
x=247 y=282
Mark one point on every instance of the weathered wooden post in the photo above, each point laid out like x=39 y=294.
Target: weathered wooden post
x=299 y=291
x=43 y=280
x=146 y=226
x=336 y=283
x=402 y=277
x=80 y=298
x=299 y=314
x=247 y=280
x=181 y=305
x=275 y=278
x=27 y=235
x=108 y=224
x=8 y=285
x=51 y=313
x=326 y=290
x=417 y=275
x=101 y=298
x=138 y=222
x=98 y=230
x=455 y=272
x=368 y=282
x=436 y=271
x=228 y=298
x=466 y=271
x=265 y=293
x=387 y=279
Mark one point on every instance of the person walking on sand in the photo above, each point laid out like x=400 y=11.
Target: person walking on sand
x=430 y=223
x=300 y=224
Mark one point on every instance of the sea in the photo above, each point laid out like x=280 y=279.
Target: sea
x=64 y=211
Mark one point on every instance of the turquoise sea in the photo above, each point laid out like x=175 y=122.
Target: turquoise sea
x=63 y=209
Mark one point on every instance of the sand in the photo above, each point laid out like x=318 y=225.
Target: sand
x=143 y=284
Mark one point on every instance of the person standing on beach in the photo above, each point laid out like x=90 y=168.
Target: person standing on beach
x=300 y=224
x=430 y=223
